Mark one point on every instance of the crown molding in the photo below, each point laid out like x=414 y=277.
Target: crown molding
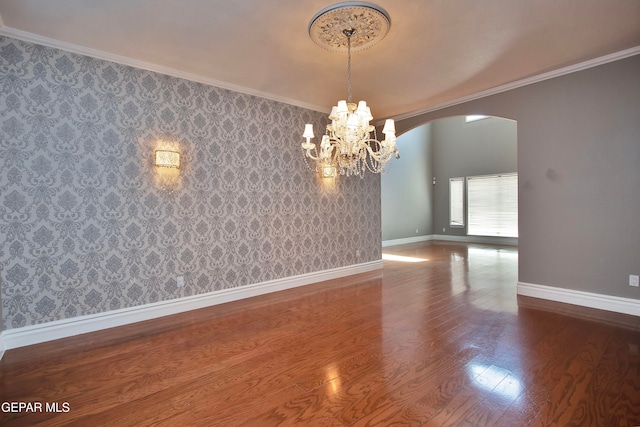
x=99 y=54
x=70 y=47
x=524 y=82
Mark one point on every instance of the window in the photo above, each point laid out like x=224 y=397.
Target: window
x=473 y=118
x=456 y=202
x=492 y=205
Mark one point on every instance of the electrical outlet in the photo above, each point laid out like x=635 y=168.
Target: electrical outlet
x=357 y=253
x=444 y=230
x=180 y=281
x=416 y=231
x=634 y=280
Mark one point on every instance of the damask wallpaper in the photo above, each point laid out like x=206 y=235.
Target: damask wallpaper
x=88 y=225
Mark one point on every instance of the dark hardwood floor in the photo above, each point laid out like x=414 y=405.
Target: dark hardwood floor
x=439 y=342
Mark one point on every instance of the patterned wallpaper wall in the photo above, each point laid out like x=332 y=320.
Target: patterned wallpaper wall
x=85 y=226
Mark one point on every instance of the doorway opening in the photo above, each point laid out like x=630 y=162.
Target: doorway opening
x=457 y=182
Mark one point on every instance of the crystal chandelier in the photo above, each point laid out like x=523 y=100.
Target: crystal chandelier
x=350 y=145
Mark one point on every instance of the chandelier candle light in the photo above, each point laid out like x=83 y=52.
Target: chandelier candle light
x=350 y=144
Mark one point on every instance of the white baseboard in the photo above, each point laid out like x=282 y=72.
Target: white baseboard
x=511 y=241
x=386 y=243
x=584 y=299
x=34 y=334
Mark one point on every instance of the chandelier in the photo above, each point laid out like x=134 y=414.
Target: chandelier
x=350 y=145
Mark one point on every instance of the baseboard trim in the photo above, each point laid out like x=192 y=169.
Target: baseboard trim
x=35 y=334
x=581 y=298
x=510 y=241
x=394 y=242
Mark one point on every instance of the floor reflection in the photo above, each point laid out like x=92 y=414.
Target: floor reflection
x=461 y=284
x=495 y=380
x=392 y=257
x=332 y=379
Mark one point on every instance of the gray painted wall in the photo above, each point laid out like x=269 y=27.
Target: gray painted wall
x=85 y=227
x=406 y=190
x=460 y=149
x=579 y=175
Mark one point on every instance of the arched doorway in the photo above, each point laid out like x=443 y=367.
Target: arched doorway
x=417 y=192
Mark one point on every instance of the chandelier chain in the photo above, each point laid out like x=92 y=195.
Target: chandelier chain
x=348 y=65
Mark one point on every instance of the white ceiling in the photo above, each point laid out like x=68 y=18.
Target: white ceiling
x=437 y=51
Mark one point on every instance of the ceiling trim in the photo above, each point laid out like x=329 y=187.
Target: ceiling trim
x=99 y=54
x=81 y=50
x=524 y=82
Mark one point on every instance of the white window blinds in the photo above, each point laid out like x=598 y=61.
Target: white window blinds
x=492 y=205
x=456 y=202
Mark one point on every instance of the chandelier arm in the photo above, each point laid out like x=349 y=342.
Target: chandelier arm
x=368 y=144
x=382 y=156
x=311 y=156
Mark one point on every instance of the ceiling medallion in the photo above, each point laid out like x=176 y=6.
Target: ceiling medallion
x=350 y=145
x=369 y=22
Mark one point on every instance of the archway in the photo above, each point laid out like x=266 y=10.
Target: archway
x=416 y=192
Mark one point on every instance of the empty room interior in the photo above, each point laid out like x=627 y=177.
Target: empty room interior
x=259 y=213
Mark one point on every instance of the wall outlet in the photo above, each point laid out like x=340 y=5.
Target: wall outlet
x=634 y=280
x=416 y=231
x=444 y=230
x=180 y=281
x=357 y=253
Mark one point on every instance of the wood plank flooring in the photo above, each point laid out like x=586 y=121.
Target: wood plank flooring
x=437 y=342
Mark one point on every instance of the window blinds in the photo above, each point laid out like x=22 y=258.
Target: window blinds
x=492 y=205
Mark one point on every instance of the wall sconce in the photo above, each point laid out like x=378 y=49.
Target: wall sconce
x=167 y=159
x=329 y=171
x=166 y=166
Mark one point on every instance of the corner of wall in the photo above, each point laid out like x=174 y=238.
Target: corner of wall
x=2 y=346
x=1 y=318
